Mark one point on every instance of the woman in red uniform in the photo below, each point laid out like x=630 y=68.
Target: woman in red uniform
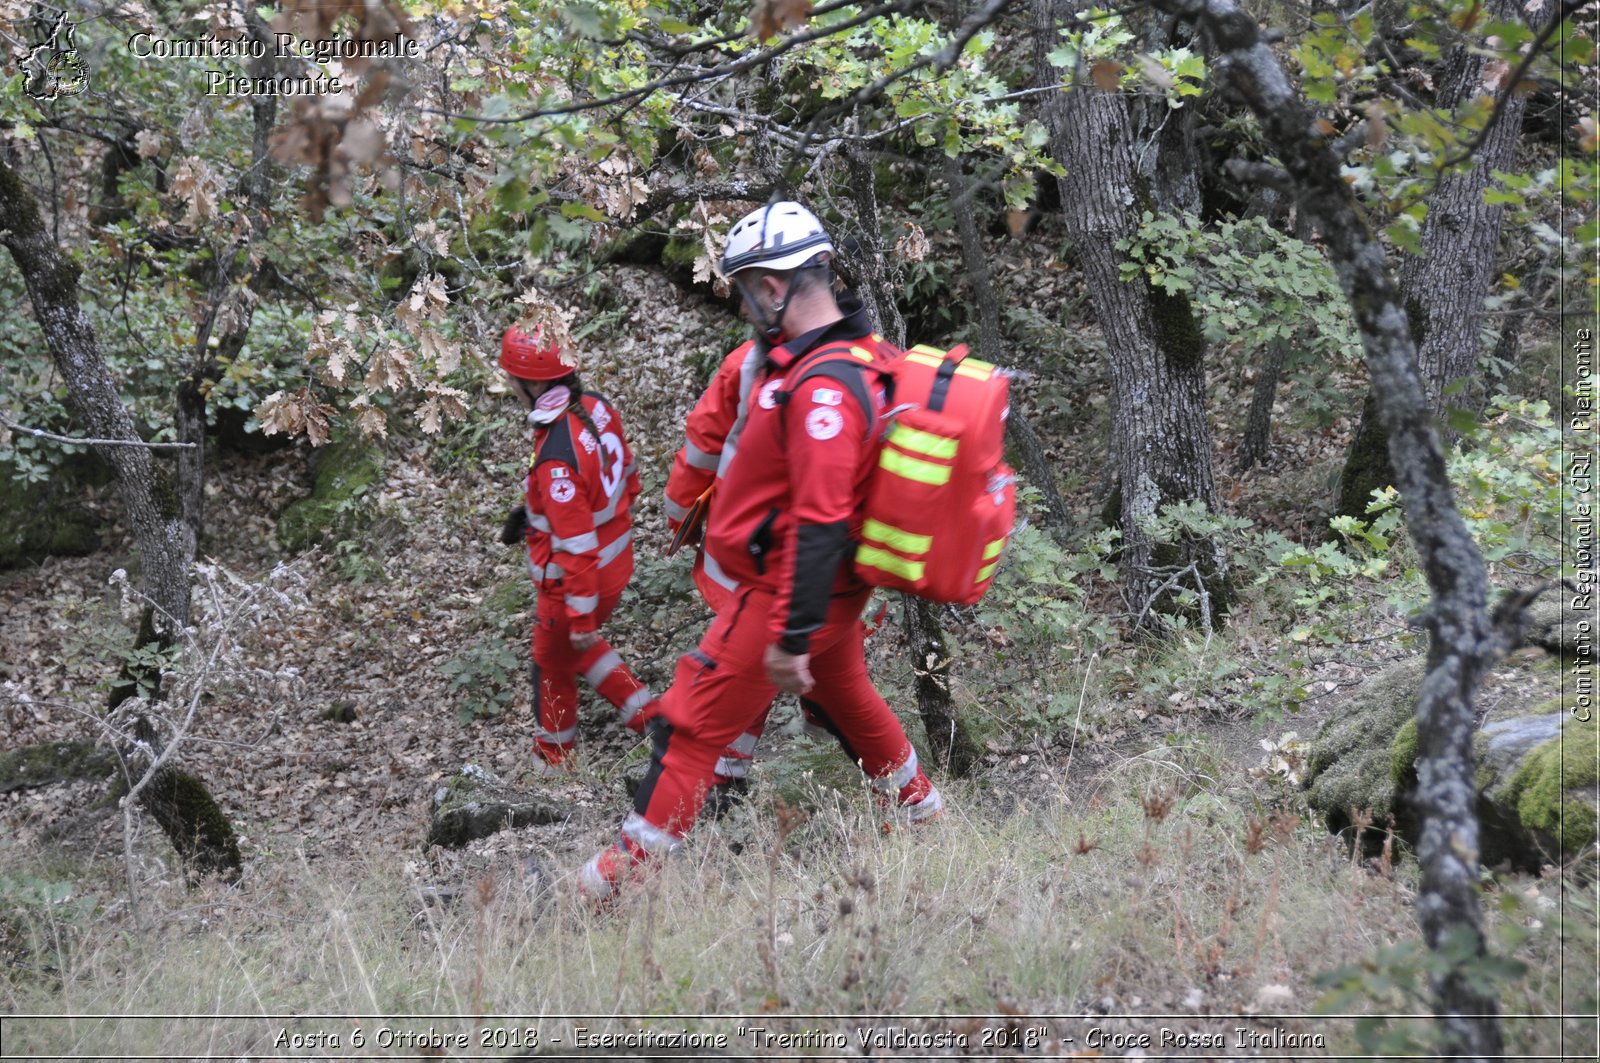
x=579 y=531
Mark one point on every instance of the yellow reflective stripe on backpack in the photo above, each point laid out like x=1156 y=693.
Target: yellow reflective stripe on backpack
x=898 y=538
x=934 y=446
x=925 y=472
x=992 y=551
x=872 y=557
x=986 y=571
x=969 y=367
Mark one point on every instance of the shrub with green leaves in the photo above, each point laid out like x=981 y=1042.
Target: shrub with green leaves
x=484 y=679
x=1252 y=285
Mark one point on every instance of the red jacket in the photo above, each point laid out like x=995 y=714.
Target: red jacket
x=579 y=494
x=787 y=510
x=711 y=441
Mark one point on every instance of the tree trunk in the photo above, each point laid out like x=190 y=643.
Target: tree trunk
x=1443 y=287
x=1258 y=425
x=1156 y=349
x=1463 y=641
x=950 y=742
x=1168 y=161
x=165 y=542
x=233 y=302
x=1035 y=459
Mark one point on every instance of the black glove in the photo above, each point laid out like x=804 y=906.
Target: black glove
x=515 y=527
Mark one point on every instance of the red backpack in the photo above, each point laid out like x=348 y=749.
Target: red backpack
x=941 y=503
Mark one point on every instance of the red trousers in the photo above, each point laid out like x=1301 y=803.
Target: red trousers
x=556 y=667
x=721 y=690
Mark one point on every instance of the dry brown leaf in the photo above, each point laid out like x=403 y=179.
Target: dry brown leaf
x=199 y=186
x=768 y=18
x=1107 y=75
x=389 y=368
x=370 y=421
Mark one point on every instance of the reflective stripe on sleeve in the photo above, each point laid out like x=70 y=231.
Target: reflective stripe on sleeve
x=578 y=544
x=675 y=511
x=649 y=837
x=536 y=571
x=539 y=522
x=583 y=604
x=700 y=459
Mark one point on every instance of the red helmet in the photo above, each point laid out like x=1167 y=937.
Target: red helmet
x=528 y=357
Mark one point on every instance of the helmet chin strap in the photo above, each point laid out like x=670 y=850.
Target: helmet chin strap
x=770 y=328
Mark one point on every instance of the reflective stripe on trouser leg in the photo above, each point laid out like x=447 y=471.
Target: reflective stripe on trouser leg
x=718 y=691
x=735 y=760
x=912 y=790
x=605 y=670
x=555 y=713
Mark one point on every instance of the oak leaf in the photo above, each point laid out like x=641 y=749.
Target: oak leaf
x=768 y=18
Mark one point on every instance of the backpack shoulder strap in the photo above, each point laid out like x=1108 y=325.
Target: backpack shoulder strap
x=949 y=361
x=850 y=370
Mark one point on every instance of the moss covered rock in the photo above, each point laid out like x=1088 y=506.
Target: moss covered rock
x=1351 y=765
x=1537 y=775
x=477 y=803
x=1553 y=624
x=53 y=762
x=345 y=471
x=1536 y=761
x=44 y=520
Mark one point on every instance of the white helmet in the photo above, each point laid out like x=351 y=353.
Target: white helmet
x=780 y=236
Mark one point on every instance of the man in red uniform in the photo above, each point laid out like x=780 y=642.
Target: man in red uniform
x=711 y=439
x=577 y=524
x=780 y=532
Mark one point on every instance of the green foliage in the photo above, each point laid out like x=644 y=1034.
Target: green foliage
x=1099 y=45
x=1252 y=285
x=1396 y=980
x=1344 y=61
x=1038 y=596
x=484 y=679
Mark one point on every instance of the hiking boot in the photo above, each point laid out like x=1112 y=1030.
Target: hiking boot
x=599 y=881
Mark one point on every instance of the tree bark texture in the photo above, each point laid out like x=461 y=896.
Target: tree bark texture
x=166 y=543
x=1167 y=158
x=1258 y=424
x=1463 y=641
x=1155 y=347
x=1443 y=287
x=229 y=299
x=991 y=347
x=950 y=742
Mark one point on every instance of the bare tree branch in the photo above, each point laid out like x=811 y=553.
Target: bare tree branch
x=40 y=433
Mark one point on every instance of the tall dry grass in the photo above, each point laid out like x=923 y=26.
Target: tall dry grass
x=1148 y=901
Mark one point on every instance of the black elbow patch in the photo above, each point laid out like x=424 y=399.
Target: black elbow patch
x=818 y=550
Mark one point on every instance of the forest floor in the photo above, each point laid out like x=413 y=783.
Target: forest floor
x=332 y=761
x=372 y=728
